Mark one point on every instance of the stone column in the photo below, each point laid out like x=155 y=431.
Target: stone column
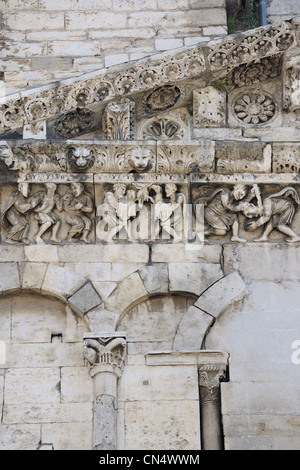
x=210 y=376
x=105 y=355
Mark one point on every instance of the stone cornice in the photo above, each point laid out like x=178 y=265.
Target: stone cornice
x=144 y=76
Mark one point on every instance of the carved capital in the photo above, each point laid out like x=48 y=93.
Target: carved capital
x=210 y=376
x=105 y=353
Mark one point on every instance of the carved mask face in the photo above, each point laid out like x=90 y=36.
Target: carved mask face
x=82 y=158
x=140 y=160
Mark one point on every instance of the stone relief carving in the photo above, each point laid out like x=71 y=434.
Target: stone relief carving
x=33 y=210
x=275 y=211
x=291 y=101
x=185 y=158
x=254 y=108
x=101 y=351
x=163 y=98
x=162 y=129
x=259 y=159
x=286 y=158
x=79 y=208
x=118 y=121
x=81 y=158
x=255 y=72
x=141 y=160
x=210 y=377
x=126 y=211
x=75 y=123
x=209 y=106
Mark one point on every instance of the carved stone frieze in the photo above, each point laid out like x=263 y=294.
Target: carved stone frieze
x=63 y=213
x=256 y=44
x=158 y=80
x=141 y=212
x=243 y=208
x=174 y=125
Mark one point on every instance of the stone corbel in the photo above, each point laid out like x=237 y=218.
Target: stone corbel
x=105 y=354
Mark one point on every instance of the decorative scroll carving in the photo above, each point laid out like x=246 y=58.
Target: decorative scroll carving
x=39 y=157
x=119 y=121
x=210 y=377
x=254 y=108
x=73 y=124
x=105 y=351
x=185 y=158
x=259 y=159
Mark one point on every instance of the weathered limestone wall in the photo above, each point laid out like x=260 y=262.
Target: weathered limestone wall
x=278 y=11
x=44 y=41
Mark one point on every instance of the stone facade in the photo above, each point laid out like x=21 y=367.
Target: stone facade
x=149 y=255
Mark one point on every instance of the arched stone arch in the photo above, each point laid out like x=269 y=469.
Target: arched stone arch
x=157 y=280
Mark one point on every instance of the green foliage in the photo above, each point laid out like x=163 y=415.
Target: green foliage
x=245 y=18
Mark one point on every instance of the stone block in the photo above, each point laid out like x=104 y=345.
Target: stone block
x=248 y=443
x=44 y=355
x=194 y=278
x=74 y=48
x=114 y=253
x=84 y=299
x=128 y=292
x=215 y=31
x=276 y=262
x=60 y=281
x=9 y=277
x=76 y=385
x=41 y=253
x=59 y=435
x=20 y=4
x=186 y=253
x=100 y=319
x=162 y=425
x=5 y=319
x=222 y=295
x=153 y=383
x=209 y=106
x=52 y=63
x=24 y=20
x=48 y=413
x=155 y=278
x=162 y=44
x=20 y=437
x=192 y=329
x=32 y=275
x=35 y=321
x=207 y=4
x=115 y=59
x=91 y=19
x=54 y=5
x=32 y=385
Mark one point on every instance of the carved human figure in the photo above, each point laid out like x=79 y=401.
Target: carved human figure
x=19 y=204
x=274 y=212
x=125 y=209
x=221 y=209
x=164 y=212
x=78 y=206
x=46 y=216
